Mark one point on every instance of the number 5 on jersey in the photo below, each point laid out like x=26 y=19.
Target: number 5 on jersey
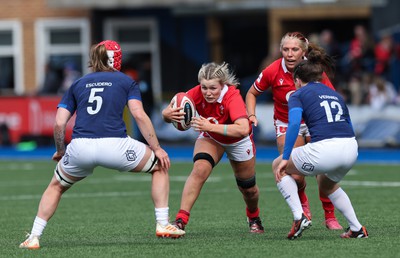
x=97 y=100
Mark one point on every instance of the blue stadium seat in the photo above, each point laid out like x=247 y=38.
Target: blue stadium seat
x=380 y=133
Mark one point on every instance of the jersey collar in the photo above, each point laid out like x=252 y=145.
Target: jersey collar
x=284 y=66
x=223 y=92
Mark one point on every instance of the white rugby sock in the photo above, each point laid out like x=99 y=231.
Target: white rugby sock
x=342 y=202
x=38 y=226
x=162 y=216
x=288 y=188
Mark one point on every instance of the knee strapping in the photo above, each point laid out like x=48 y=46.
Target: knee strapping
x=64 y=181
x=206 y=156
x=150 y=164
x=246 y=184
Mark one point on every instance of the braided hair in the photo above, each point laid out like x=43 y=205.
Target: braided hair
x=221 y=72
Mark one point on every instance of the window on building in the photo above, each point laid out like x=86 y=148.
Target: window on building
x=141 y=54
x=11 y=72
x=62 y=50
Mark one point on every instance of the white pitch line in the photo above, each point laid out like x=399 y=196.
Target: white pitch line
x=94 y=181
x=79 y=195
x=178 y=191
x=115 y=194
x=370 y=183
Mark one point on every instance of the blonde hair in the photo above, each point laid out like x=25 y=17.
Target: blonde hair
x=303 y=41
x=221 y=72
x=98 y=59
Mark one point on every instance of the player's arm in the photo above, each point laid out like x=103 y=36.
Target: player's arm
x=170 y=113
x=147 y=129
x=295 y=115
x=144 y=123
x=251 y=99
x=62 y=117
x=292 y=132
x=240 y=128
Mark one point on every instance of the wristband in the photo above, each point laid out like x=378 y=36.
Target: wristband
x=252 y=115
x=225 y=130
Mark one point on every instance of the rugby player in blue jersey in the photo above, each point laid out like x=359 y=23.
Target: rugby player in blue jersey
x=100 y=139
x=332 y=152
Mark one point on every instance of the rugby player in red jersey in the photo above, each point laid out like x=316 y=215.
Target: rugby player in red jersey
x=330 y=154
x=278 y=76
x=223 y=127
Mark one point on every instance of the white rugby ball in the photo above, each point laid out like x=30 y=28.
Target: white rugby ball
x=181 y=99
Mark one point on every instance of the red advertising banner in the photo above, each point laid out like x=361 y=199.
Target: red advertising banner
x=33 y=116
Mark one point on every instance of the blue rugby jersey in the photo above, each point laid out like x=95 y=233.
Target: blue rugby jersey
x=323 y=110
x=99 y=100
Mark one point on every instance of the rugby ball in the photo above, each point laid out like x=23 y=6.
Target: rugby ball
x=182 y=99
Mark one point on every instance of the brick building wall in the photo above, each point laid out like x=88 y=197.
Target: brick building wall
x=27 y=12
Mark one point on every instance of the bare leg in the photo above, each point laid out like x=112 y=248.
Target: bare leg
x=49 y=203
x=194 y=183
x=50 y=199
x=244 y=171
x=160 y=188
x=202 y=169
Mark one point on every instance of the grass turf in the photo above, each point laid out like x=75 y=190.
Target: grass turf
x=111 y=214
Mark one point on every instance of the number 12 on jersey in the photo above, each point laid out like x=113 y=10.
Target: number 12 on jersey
x=334 y=105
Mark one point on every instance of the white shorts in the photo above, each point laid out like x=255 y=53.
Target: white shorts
x=332 y=157
x=84 y=154
x=281 y=128
x=242 y=150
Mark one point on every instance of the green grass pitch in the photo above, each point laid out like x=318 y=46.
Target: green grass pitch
x=111 y=214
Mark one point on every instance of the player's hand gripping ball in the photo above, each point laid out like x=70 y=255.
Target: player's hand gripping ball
x=182 y=99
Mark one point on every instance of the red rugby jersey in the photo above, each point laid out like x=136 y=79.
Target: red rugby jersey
x=281 y=81
x=229 y=107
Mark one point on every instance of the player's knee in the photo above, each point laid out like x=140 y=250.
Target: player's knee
x=300 y=179
x=275 y=163
x=204 y=156
x=247 y=183
x=62 y=179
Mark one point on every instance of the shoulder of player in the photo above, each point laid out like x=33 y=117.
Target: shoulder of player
x=297 y=93
x=322 y=86
x=275 y=75
x=313 y=87
x=305 y=90
x=195 y=94
x=232 y=97
x=121 y=75
x=274 y=66
x=117 y=75
x=232 y=92
x=195 y=91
